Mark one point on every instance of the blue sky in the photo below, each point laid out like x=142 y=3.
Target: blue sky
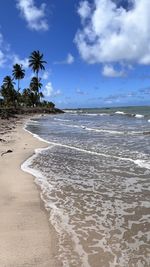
x=97 y=51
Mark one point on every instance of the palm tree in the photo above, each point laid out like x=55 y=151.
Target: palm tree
x=18 y=73
x=8 y=92
x=8 y=82
x=35 y=85
x=36 y=62
x=27 y=97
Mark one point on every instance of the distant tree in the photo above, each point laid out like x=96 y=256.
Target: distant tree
x=47 y=104
x=18 y=73
x=36 y=62
x=51 y=105
x=35 y=85
x=8 y=92
x=27 y=97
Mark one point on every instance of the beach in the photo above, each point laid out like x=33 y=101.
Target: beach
x=26 y=236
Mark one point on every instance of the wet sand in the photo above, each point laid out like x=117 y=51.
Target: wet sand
x=26 y=236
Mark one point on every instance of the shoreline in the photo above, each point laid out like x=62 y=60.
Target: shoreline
x=26 y=234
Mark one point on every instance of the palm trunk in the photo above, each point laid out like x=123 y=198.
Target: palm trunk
x=37 y=74
x=18 y=85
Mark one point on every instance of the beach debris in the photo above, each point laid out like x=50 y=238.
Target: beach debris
x=2 y=140
x=8 y=151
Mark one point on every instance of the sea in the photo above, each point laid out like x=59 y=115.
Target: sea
x=94 y=178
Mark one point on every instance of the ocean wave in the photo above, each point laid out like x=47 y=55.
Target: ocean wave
x=143 y=163
x=104 y=131
x=120 y=113
x=84 y=127
x=94 y=114
x=139 y=116
x=56 y=119
x=139 y=162
x=71 y=111
x=33 y=122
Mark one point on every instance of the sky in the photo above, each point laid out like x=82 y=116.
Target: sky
x=97 y=51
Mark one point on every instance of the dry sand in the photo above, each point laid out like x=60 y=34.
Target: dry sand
x=26 y=236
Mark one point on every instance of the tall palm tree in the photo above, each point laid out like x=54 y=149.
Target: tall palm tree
x=18 y=73
x=36 y=62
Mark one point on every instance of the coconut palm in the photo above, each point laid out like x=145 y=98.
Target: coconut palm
x=8 y=92
x=35 y=85
x=8 y=82
x=18 y=73
x=36 y=62
x=27 y=97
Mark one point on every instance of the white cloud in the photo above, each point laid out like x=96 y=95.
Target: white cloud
x=49 y=91
x=7 y=56
x=69 y=60
x=35 y=17
x=45 y=75
x=57 y=93
x=2 y=59
x=109 y=71
x=16 y=60
x=2 y=51
x=112 y=33
x=84 y=9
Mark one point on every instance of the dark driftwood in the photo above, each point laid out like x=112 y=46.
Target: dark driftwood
x=2 y=140
x=8 y=151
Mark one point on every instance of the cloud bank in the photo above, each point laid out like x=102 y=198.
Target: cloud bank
x=49 y=91
x=114 y=32
x=34 y=16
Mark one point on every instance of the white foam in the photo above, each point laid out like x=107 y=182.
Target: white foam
x=70 y=111
x=93 y=129
x=139 y=116
x=120 y=112
x=90 y=114
x=143 y=163
x=56 y=119
x=104 y=131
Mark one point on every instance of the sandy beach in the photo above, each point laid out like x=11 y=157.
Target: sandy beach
x=26 y=236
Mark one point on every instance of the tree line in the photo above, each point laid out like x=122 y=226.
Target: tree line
x=31 y=96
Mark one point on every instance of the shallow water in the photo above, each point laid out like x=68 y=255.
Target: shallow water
x=95 y=182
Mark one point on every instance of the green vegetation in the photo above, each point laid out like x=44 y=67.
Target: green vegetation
x=30 y=97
